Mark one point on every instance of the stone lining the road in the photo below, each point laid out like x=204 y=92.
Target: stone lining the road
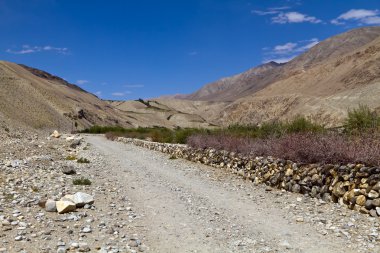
x=354 y=185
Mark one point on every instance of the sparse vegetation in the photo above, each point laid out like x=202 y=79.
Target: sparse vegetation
x=83 y=160
x=299 y=147
x=82 y=181
x=71 y=157
x=300 y=139
x=303 y=141
x=8 y=196
x=35 y=189
x=103 y=129
x=157 y=134
x=362 y=119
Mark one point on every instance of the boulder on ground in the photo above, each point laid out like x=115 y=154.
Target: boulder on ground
x=69 y=170
x=75 y=143
x=50 y=206
x=70 y=138
x=68 y=197
x=55 y=134
x=81 y=199
x=65 y=206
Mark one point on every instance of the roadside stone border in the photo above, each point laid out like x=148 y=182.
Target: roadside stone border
x=354 y=185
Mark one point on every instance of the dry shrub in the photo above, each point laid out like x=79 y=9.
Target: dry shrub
x=300 y=147
x=112 y=136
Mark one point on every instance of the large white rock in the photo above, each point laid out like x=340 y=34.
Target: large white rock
x=70 y=138
x=65 y=206
x=55 y=134
x=81 y=199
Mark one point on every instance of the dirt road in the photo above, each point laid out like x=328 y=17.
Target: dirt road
x=188 y=207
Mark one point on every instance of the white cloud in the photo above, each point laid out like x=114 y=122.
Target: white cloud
x=281 y=8
x=263 y=13
x=294 y=17
x=193 y=53
x=26 y=49
x=98 y=93
x=286 y=52
x=270 y=11
x=311 y=43
x=121 y=94
x=363 y=16
x=375 y=20
x=283 y=49
x=81 y=82
x=358 y=14
x=118 y=94
x=280 y=16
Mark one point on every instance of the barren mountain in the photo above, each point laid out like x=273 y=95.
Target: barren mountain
x=169 y=112
x=36 y=99
x=322 y=83
x=33 y=98
x=231 y=88
x=258 y=78
x=319 y=86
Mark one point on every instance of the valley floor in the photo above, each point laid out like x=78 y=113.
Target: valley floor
x=188 y=207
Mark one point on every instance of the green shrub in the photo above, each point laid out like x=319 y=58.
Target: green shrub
x=181 y=134
x=35 y=189
x=271 y=129
x=361 y=119
x=82 y=181
x=83 y=160
x=301 y=124
x=103 y=129
x=71 y=157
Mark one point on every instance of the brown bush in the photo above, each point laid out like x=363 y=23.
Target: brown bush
x=300 y=147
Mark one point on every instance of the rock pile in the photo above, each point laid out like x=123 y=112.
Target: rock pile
x=354 y=185
x=69 y=203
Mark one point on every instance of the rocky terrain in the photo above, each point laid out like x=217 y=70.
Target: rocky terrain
x=146 y=201
x=34 y=169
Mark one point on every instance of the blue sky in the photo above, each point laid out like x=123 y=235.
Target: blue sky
x=146 y=48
